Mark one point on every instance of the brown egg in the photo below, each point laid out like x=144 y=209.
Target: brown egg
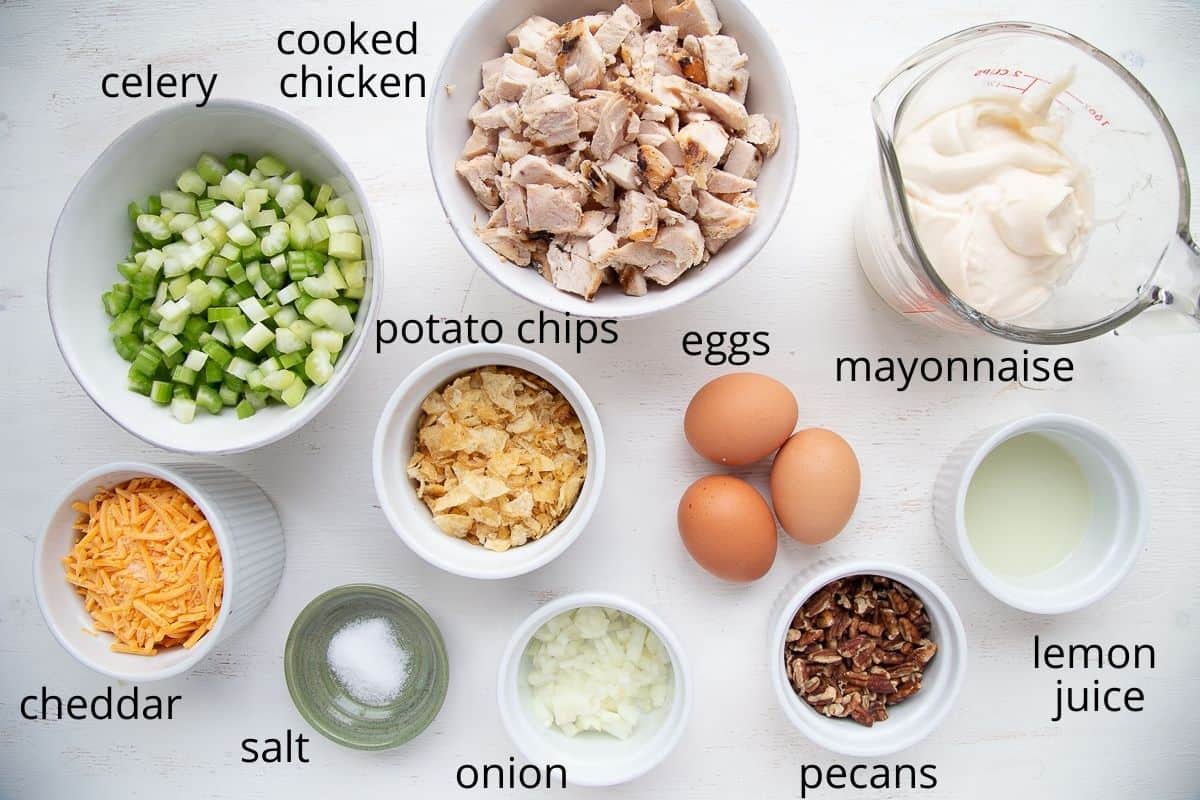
x=740 y=418
x=814 y=485
x=728 y=528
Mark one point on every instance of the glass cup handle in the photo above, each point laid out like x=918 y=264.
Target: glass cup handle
x=1176 y=288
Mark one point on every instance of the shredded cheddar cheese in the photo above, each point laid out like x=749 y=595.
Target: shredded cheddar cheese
x=147 y=566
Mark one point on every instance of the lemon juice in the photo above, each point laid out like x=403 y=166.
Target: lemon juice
x=1028 y=506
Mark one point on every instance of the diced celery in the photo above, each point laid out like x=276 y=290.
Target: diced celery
x=288 y=294
x=289 y=196
x=323 y=195
x=276 y=241
x=343 y=223
x=303 y=328
x=294 y=394
x=345 y=245
x=166 y=343
x=258 y=399
x=183 y=409
x=289 y=360
x=160 y=392
x=319 y=287
x=190 y=182
x=329 y=314
x=251 y=252
x=288 y=342
x=238 y=161
x=279 y=380
x=213 y=373
x=181 y=223
x=139 y=382
x=237 y=263
x=228 y=215
x=174 y=310
x=253 y=309
x=286 y=316
x=318 y=230
x=298 y=236
x=211 y=168
x=241 y=235
x=179 y=202
x=208 y=399
x=195 y=360
x=334 y=275
x=255 y=198
x=154 y=228
x=127 y=346
x=258 y=337
x=218 y=353
x=234 y=186
x=270 y=166
x=303 y=213
x=147 y=360
x=198 y=296
x=263 y=219
x=239 y=367
x=329 y=340
x=117 y=299
x=184 y=375
x=272 y=276
x=125 y=322
x=318 y=367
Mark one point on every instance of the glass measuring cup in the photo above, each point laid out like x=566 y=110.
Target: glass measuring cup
x=1140 y=253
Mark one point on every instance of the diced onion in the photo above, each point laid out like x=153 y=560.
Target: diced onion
x=597 y=669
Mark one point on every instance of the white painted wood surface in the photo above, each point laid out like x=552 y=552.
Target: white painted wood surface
x=804 y=288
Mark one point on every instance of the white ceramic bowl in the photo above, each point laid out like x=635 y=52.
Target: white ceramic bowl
x=482 y=38
x=908 y=722
x=592 y=759
x=411 y=519
x=93 y=234
x=252 y=555
x=1111 y=544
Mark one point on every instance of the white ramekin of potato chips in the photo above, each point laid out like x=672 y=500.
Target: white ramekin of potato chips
x=482 y=468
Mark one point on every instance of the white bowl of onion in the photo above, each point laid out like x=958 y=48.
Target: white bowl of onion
x=594 y=757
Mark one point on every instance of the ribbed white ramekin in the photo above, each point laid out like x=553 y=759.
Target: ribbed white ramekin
x=248 y=532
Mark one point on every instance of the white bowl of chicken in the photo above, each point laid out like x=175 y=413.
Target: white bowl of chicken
x=612 y=160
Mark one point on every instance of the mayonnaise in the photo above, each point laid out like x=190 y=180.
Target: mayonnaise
x=1000 y=210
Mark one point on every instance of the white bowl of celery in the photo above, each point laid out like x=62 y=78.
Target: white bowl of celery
x=246 y=271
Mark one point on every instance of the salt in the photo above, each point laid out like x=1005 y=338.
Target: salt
x=368 y=661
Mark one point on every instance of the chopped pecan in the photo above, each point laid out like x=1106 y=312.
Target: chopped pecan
x=824 y=657
x=881 y=684
x=857 y=646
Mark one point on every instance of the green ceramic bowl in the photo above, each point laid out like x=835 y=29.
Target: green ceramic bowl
x=320 y=697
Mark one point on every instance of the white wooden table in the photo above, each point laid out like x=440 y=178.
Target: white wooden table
x=805 y=288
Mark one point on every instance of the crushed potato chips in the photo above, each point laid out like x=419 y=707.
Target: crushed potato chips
x=500 y=457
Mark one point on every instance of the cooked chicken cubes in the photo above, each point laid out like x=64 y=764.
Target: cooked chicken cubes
x=616 y=150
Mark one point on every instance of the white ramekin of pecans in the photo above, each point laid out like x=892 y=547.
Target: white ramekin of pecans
x=867 y=657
